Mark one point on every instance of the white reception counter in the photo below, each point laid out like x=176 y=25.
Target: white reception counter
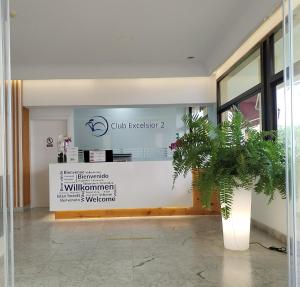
x=117 y=189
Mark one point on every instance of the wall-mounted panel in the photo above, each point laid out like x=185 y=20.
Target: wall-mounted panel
x=146 y=133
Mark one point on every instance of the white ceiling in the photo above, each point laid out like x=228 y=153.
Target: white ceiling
x=129 y=38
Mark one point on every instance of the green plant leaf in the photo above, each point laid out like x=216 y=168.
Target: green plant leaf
x=230 y=155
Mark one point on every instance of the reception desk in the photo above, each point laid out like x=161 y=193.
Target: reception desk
x=112 y=189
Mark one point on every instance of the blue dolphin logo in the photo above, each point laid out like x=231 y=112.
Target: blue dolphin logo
x=98 y=126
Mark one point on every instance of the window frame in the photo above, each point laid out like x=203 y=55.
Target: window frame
x=266 y=88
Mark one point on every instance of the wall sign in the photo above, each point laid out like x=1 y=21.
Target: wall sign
x=129 y=128
x=109 y=185
x=84 y=187
x=98 y=126
x=49 y=142
x=72 y=154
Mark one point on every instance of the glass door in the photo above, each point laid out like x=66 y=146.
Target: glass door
x=6 y=162
x=292 y=102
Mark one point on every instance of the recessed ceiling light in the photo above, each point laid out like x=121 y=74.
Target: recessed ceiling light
x=190 y=57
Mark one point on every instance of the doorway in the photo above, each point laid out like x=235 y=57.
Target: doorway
x=43 y=143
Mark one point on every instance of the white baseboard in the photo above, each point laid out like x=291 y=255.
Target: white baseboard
x=274 y=233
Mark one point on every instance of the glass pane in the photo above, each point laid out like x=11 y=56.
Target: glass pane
x=292 y=100
x=296 y=38
x=143 y=133
x=6 y=162
x=200 y=111
x=225 y=116
x=251 y=109
x=242 y=78
x=278 y=51
x=280 y=99
x=2 y=168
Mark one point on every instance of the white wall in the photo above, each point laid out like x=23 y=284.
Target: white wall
x=53 y=113
x=273 y=215
x=119 y=92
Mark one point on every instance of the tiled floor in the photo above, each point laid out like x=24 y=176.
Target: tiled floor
x=152 y=252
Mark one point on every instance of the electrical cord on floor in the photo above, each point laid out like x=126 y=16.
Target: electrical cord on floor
x=272 y=248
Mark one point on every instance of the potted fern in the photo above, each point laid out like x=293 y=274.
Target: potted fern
x=232 y=159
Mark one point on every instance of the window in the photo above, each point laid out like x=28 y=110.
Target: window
x=278 y=52
x=296 y=104
x=200 y=111
x=245 y=76
x=253 y=84
x=278 y=48
x=296 y=37
x=280 y=102
x=226 y=115
x=251 y=109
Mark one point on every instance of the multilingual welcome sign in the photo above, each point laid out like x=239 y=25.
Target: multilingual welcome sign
x=109 y=185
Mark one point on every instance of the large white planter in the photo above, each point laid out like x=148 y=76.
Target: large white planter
x=236 y=229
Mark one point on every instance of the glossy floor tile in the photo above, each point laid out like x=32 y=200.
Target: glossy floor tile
x=144 y=252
